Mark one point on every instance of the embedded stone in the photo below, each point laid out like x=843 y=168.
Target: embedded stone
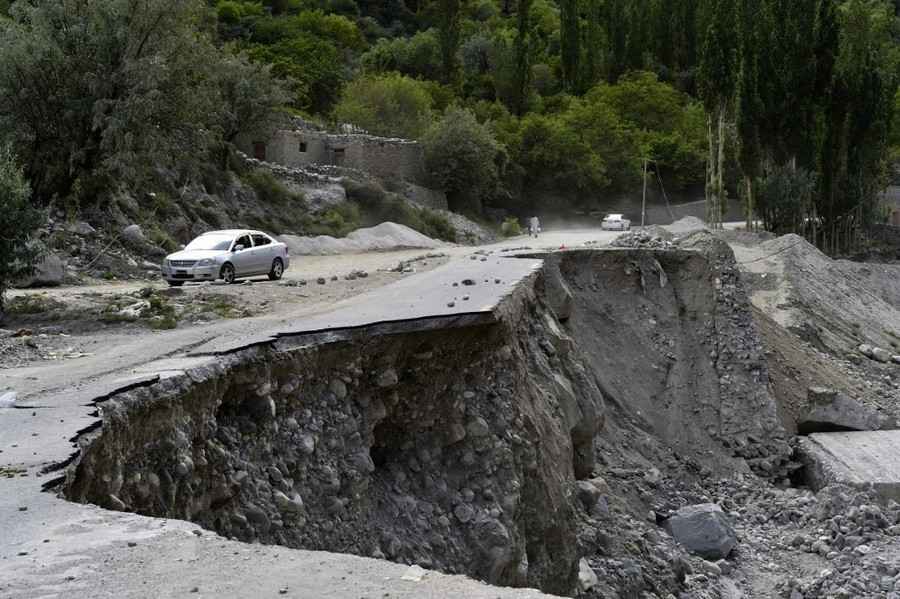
x=703 y=530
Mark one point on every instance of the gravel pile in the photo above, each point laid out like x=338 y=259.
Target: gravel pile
x=643 y=239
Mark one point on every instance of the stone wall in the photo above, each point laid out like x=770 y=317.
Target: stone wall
x=304 y=145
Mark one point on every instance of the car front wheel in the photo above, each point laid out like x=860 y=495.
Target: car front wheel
x=277 y=270
x=227 y=273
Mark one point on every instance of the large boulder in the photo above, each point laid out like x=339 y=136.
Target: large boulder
x=703 y=530
x=49 y=272
x=134 y=235
x=829 y=410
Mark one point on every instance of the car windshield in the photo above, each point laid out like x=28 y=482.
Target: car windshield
x=210 y=242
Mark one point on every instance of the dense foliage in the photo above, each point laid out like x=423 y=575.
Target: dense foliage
x=97 y=93
x=715 y=93
x=563 y=99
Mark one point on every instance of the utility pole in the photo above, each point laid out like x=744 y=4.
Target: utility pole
x=644 y=200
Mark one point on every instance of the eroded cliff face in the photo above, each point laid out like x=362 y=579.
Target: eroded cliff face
x=670 y=337
x=455 y=449
x=459 y=445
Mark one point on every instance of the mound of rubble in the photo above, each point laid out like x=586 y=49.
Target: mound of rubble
x=825 y=322
x=649 y=237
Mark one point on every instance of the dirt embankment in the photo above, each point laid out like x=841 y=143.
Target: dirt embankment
x=814 y=313
x=670 y=337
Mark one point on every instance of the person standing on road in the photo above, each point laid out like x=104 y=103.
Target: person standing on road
x=534 y=227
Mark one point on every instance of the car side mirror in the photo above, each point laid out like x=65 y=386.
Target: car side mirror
x=238 y=248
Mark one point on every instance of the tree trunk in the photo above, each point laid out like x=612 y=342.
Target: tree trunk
x=710 y=170
x=720 y=168
x=748 y=183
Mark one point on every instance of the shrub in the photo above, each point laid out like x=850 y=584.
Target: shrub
x=162 y=239
x=377 y=206
x=229 y=12
x=269 y=189
x=337 y=222
x=511 y=227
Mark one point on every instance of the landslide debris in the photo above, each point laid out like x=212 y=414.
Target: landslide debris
x=488 y=450
x=817 y=317
x=480 y=450
x=670 y=337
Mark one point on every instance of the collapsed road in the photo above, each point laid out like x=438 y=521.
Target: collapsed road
x=555 y=421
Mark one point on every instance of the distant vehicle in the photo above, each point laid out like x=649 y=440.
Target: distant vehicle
x=227 y=255
x=615 y=222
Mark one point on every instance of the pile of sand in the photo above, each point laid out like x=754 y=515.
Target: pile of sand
x=686 y=225
x=386 y=236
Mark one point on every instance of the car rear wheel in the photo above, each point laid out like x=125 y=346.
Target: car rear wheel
x=277 y=270
x=175 y=283
x=227 y=273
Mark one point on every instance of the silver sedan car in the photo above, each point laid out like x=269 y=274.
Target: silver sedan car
x=227 y=255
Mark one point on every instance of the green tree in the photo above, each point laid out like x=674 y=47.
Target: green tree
x=120 y=86
x=615 y=19
x=417 y=56
x=785 y=196
x=594 y=44
x=250 y=100
x=749 y=109
x=464 y=159
x=312 y=66
x=390 y=104
x=553 y=155
x=449 y=36
x=866 y=78
x=717 y=82
x=570 y=43
x=18 y=221
x=523 y=59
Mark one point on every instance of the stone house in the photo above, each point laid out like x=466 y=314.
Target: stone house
x=306 y=144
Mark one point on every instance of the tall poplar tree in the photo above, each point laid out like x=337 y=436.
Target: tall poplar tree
x=594 y=43
x=570 y=41
x=449 y=36
x=717 y=82
x=616 y=21
x=522 y=77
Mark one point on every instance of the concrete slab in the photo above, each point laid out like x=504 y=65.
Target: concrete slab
x=860 y=459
